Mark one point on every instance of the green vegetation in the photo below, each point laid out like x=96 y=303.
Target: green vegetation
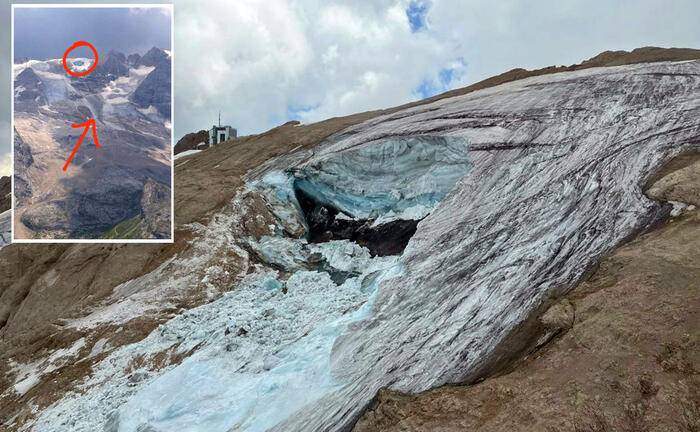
x=126 y=229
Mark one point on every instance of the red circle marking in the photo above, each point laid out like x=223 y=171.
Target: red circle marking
x=71 y=48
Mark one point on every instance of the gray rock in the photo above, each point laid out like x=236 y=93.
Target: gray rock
x=133 y=59
x=23 y=161
x=154 y=90
x=155 y=207
x=5 y=228
x=29 y=89
x=114 y=66
x=154 y=57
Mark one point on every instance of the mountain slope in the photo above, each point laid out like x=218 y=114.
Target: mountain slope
x=246 y=237
x=5 y=198
x=101 y=187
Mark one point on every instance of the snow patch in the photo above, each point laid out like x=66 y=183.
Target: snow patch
x=28 y=375
x=186 y=153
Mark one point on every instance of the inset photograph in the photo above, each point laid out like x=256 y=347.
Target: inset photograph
x=92 y=128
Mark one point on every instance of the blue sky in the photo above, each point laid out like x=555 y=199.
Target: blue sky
x=417 y=12
x=263 y=62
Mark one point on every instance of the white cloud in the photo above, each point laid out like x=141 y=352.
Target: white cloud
x=261 y=62
x=5 y=165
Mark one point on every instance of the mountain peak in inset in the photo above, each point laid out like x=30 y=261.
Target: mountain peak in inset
x=154 y=57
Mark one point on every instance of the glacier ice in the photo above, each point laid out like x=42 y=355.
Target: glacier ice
x=386 y=175
x=550 y=169
x=263 y=352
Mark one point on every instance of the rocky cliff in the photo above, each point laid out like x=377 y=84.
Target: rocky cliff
x=5 y=191
x=265 y=315
x=5 y=204
x=191 y=140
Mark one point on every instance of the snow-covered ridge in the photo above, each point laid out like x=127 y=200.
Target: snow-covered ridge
x=550 y=173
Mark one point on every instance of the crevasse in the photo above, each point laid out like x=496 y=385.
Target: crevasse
x=393 y=175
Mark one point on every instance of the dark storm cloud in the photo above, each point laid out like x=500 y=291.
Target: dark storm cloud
x=45 y=33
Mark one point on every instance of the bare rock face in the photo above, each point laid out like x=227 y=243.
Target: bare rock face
x=679 y=182
x=154 y=57
x=5 y=190
x=23 y=160
x=114 y=66
x=155 y=205
x=191 y=140
x=154 y=90
x=5 y=204
x=29 y=89
x=133 y=59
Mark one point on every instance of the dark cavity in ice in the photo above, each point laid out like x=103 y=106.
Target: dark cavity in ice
x=390 y=238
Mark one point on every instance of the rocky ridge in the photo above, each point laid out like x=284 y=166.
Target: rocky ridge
x=191 y=140
x=5 y=191
x=5 y=204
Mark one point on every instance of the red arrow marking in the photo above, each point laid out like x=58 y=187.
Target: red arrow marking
x=87 y=125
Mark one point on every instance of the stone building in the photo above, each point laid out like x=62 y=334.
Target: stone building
x=219 y=134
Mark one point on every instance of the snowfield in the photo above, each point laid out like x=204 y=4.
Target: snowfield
x=520 y=188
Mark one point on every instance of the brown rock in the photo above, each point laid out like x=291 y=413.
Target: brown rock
x=190 y=141
x=5 y=190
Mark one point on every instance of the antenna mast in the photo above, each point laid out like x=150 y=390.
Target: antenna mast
x=219 y=118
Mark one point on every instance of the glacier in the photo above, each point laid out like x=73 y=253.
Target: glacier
x=386 y=175
x=518 y=189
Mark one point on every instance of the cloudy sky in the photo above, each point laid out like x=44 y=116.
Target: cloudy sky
x=263 y=62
